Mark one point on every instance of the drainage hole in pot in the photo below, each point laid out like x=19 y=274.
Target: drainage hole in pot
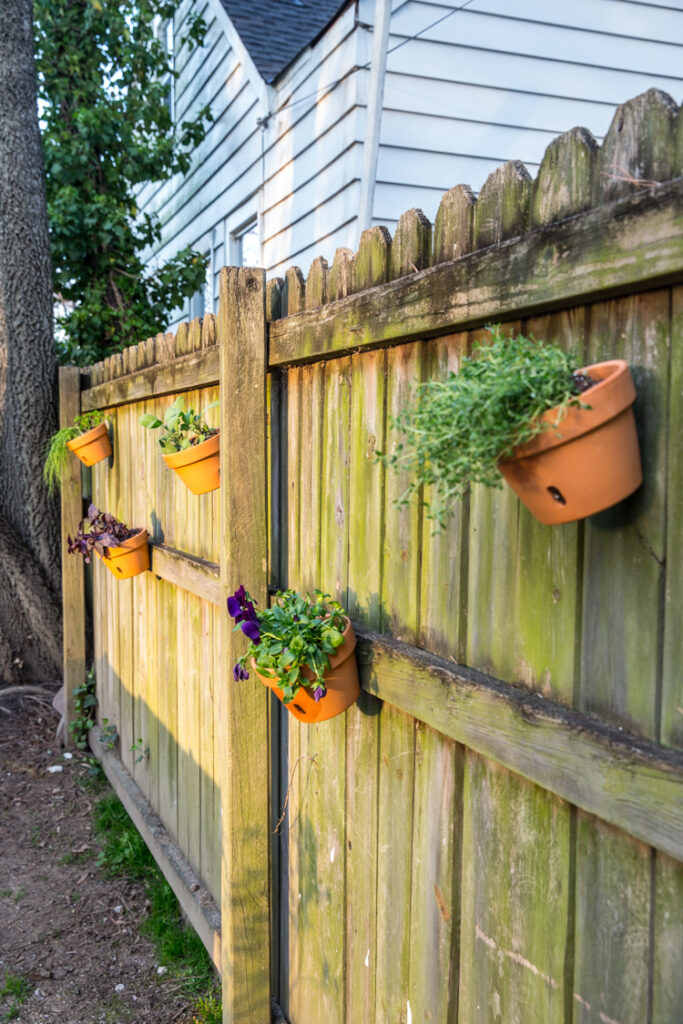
x=118 y=568
x=301 y=710
x=557 y=495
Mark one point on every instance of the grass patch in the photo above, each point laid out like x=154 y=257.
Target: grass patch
x=180 y=949
x=16 y=989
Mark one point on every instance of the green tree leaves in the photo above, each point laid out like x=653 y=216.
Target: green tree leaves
x=104 y=84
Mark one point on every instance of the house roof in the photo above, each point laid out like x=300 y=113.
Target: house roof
x=275 y=31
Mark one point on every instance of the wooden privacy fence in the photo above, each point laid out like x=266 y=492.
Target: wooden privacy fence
x=495 y=831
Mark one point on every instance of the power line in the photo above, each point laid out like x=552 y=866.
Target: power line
x=263 y=121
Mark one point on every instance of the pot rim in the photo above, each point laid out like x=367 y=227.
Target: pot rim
x=139 y=538
x=608 y=398
x=195 y=453
x=88 y=437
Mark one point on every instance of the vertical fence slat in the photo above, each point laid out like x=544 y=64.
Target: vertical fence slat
x=73 y=589
x=515 y=899
x=243 y=717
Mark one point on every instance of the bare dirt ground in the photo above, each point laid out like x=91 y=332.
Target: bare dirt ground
x=65 y=928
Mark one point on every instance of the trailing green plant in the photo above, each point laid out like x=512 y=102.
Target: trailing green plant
x=56 y=451
x=454 y=432
x=298 y=632
x=124 y=853
x=182 y=428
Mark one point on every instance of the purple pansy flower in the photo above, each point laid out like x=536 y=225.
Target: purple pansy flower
x=251 y=629
x=319 y=692
x=236 y=602
x=239 y=672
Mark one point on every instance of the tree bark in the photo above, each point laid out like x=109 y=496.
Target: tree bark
x=30 y=616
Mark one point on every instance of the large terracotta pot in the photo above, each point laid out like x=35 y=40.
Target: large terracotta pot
x=341 y=681
x=199 y=465
x=585 y=461
x=130 y=558
x=92 y=446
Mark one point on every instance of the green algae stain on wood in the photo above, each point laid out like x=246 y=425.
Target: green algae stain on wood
x=567 y=178
x=672 y=683
x=625 y=545
x=373 y=259
x=502 y=208
x=454 y=224
x=639 y=148
x=412 y=244
x=443 y=575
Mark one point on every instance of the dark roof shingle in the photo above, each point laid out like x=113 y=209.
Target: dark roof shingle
x=275 y=31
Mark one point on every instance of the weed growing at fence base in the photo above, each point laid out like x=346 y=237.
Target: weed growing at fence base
x=16 y=989
x=180 y=949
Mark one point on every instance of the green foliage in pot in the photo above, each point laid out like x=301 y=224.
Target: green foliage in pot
x=454 y=431
x=298 y=631
x=56 y=451
x=182 y=429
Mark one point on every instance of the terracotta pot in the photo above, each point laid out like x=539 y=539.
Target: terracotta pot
x=130 y=558
x=585 y=461
x=92 y=446
x=199 y=465
x=341 y=681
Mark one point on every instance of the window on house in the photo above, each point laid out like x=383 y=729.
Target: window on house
x=202 y=300
x=248 y=245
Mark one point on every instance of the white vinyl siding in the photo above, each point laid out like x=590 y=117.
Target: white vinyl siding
x=495 y=81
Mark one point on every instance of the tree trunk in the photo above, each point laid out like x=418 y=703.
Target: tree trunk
x=30 y=615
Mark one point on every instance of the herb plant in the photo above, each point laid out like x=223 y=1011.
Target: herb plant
x=455 y=431
x=99 y=531
x=56 y=451
x=292 y=639
x=182 y=429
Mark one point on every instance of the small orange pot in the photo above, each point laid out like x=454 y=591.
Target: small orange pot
x=585 y=461
x=130 y=558
x=92 y=446
x=199 y=465
x=341 y=682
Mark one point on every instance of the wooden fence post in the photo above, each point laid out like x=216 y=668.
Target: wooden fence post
x=73 y=589
x=243 y=737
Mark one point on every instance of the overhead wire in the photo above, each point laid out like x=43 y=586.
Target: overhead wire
x=263 y=121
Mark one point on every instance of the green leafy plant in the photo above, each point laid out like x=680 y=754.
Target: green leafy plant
x=56 y=451
x=182 y=428
x=455 y=431
x=292 y=639
x=85 y=705
x=105 y=80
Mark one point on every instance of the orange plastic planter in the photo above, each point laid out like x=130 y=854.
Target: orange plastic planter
x=130 y=558
x=341 y=681
x=585 y=461
x=93 y=446
x=199 y=465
